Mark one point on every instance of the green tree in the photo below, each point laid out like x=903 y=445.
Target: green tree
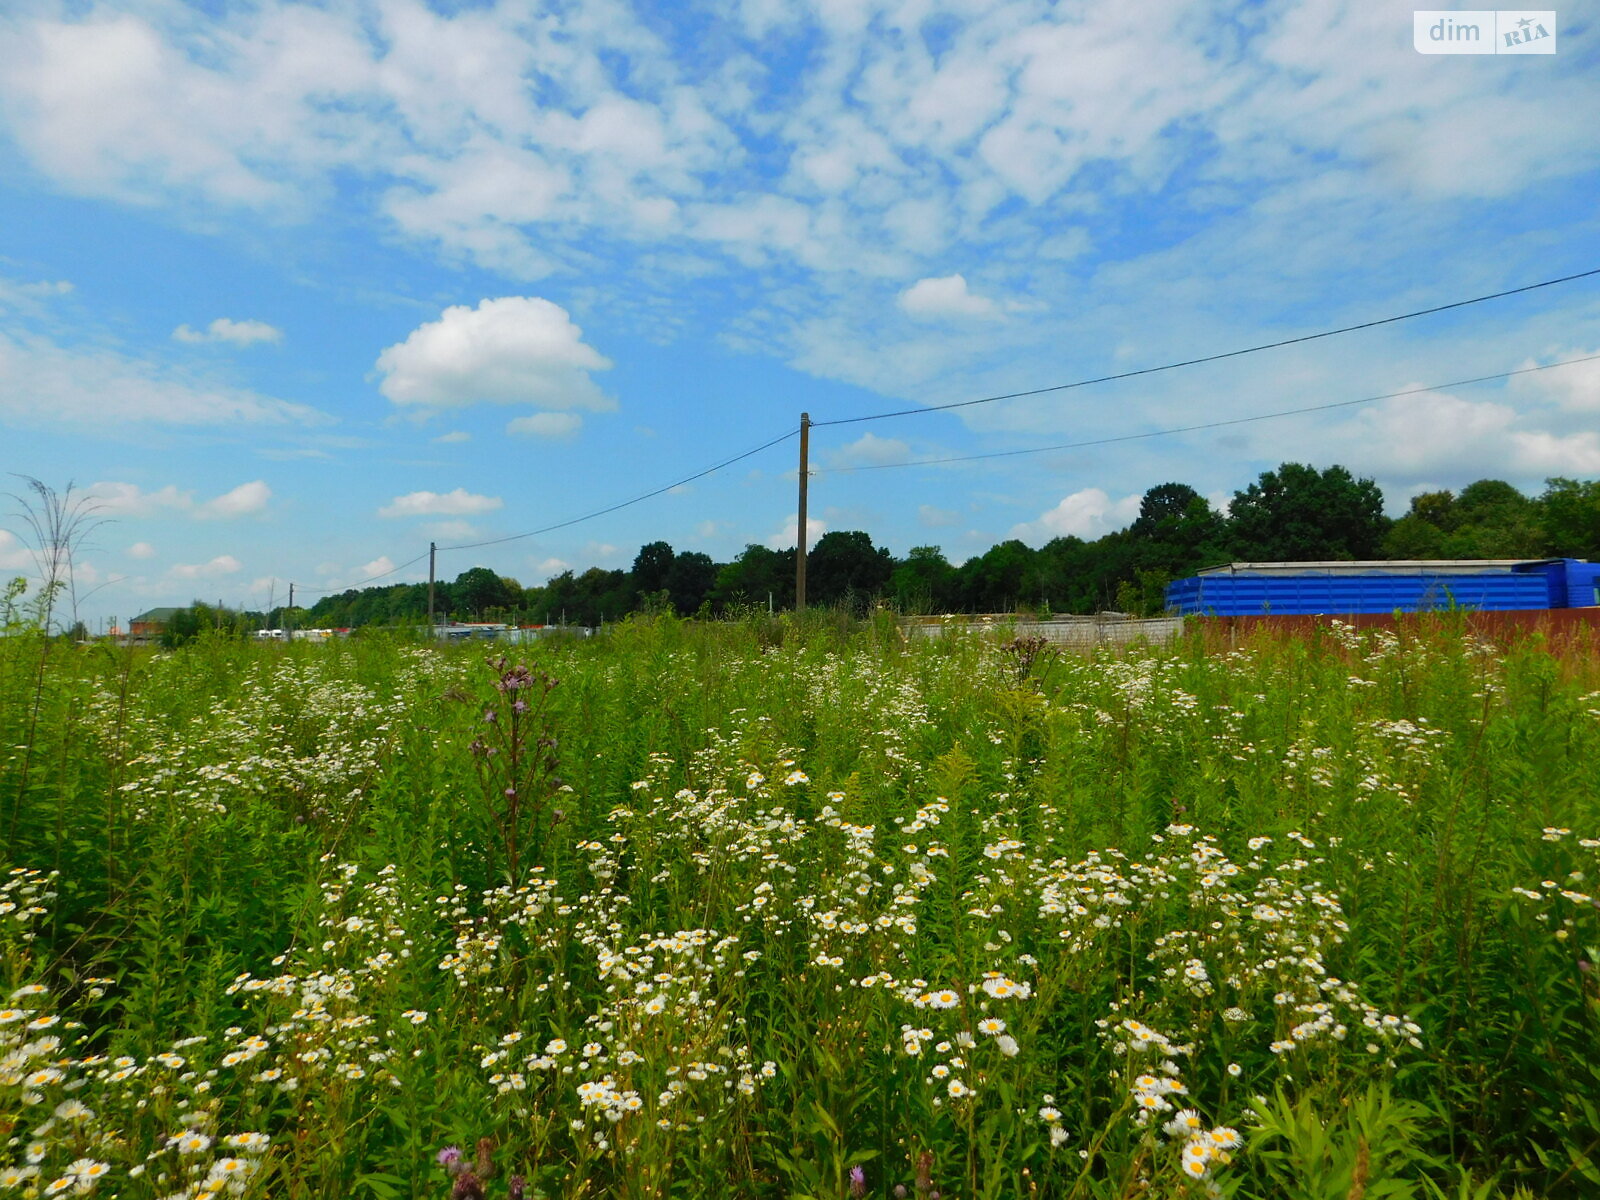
x=1494 y=520
x=1437 y=509
x=1569 y=513
x=651 y=567
x=689 y=580
x=925 y=582
x=1001 y=578
x=754 y=576
x=845 y=567
x=1298 y=513
x=479 y=592
x=1413 y=537
x=1176 y=533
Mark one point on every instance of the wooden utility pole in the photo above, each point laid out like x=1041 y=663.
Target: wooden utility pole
x=432 y=551
x=800 y=528
x=288 y=615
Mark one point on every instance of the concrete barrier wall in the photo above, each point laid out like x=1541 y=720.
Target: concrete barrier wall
x=1062 y=631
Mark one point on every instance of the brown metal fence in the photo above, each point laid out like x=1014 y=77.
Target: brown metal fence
x=1571 y=629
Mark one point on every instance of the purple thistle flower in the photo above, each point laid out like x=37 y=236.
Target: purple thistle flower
x=858 y=1182
x=449 y=1156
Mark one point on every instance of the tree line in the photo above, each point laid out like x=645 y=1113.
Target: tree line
x=1295 y=512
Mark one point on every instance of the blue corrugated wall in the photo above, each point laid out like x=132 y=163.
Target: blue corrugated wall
x=1582 y=584
x=1538 y=585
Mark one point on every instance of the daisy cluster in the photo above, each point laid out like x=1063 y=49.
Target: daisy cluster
x=318 y=1010
x=1567 y=900
x=1156 y=1089
x=1251 y=947
x=293 y=732
x=80 y=1121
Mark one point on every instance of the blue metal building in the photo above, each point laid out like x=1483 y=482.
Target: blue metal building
x=1341 y=588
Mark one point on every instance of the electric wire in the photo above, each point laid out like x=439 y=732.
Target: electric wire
x=1155 y=433
x=1208 y=358
x=368 y=582
x=600 y=512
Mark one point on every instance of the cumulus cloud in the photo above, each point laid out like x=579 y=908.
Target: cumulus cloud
x=223 y=564
x=1088 y=514
x=381 y=565
x=1540 y=453
x=457 y=503
x=547 y=425
x=117 y=499
x=13 y=554
x=242 y=501
x=786 y=537
x=1432 y=435
x=945 y=297
x=514 y=350
x=141 y=550
x=450 y=531
x=453 y=437
x=238 y=333
x=31 y=296
x=99 y=391
x=870 y=450
x=1575 y=388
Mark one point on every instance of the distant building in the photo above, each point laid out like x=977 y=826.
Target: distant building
x=1346 y=588
x=152 y=624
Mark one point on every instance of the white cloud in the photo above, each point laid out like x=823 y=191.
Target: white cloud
x=450 y=531
x=141 y=550
x=1543 y=454
x=1436 y=435
x=457 y=503
x=603 y=554
x=547 y=425
x=1087 y=514
x=890 y=143
x=869 y=450
x=242 y=501
x=932 y=517
x=785 y=537
x=14 y=556
x=551 y=567
x=1417 y=434
x=223 y=564
x=99 y=391
x=1575 y=388
x=29 y=296
x=116 y=499
x=239 y=333
x=514 y=350
x=945 y=297
x=381 y=565
x=453 y=437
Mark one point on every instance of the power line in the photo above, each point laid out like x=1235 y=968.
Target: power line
x=600 y=512
x=370 y=580
x=1155 y=433
x=1209 y=358
x=727 y=462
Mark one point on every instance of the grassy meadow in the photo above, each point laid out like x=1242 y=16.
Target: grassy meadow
x=784 y=908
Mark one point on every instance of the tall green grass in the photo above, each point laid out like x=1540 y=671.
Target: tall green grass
x=781 y=908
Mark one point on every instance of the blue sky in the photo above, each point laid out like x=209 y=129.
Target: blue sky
x=293 y=289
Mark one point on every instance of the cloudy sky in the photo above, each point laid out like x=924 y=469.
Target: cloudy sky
x=293 y=289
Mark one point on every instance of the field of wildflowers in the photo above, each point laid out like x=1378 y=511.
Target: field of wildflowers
x=781 y=908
